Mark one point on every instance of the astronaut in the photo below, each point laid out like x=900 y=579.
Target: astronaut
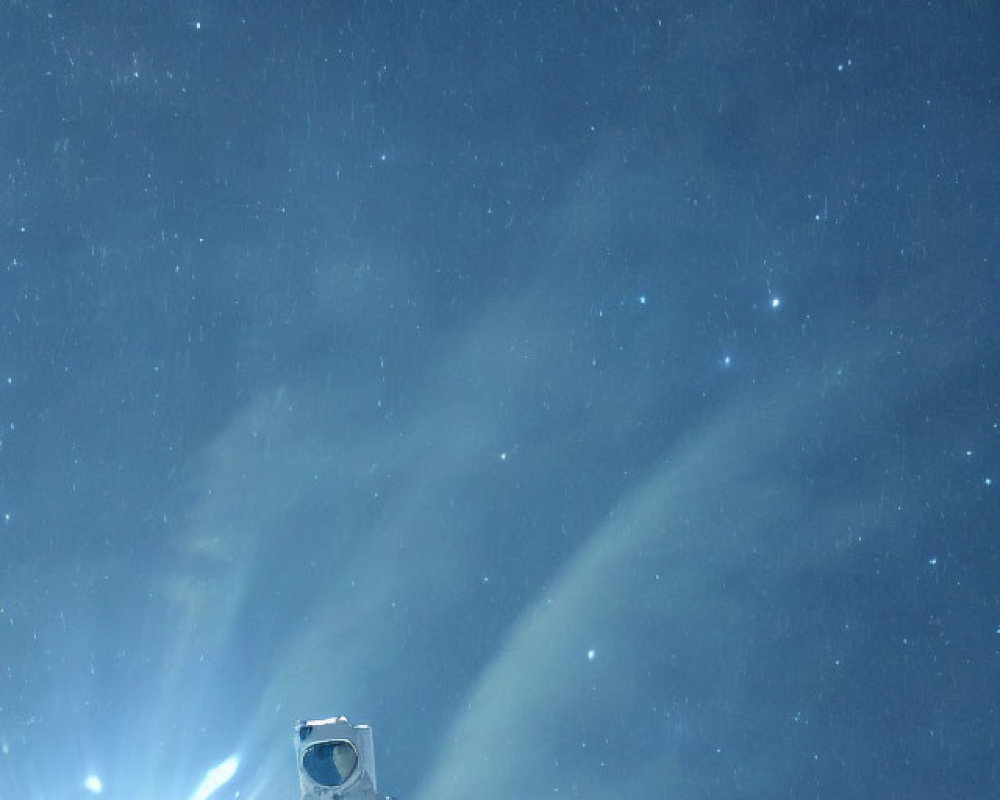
x=336 y=760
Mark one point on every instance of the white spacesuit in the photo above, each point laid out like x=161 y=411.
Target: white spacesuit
x=336 y=760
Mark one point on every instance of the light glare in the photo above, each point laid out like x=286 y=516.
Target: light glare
x=216 y=777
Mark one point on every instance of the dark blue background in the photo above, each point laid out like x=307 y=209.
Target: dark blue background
x=388 y=358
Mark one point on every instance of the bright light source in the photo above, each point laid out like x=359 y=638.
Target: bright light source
x=93 y=784
x=216 y=777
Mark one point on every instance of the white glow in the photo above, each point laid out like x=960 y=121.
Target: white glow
x=93 y=784
x=216 y=777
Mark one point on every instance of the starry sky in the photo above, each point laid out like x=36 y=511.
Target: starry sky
x=598 y=399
